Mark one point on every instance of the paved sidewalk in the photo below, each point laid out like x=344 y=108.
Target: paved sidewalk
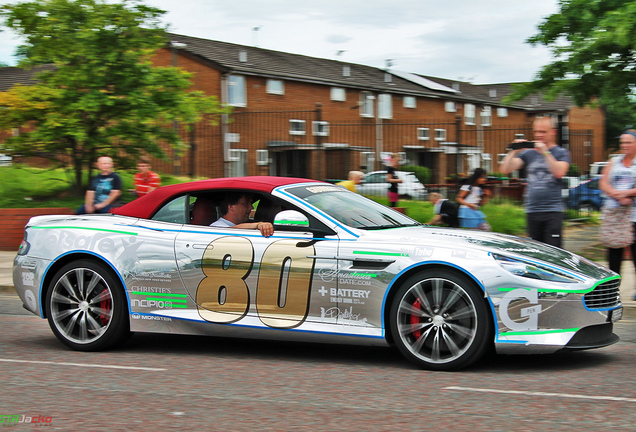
x=578 y=239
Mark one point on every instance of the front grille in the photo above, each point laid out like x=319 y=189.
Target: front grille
x=605 y=295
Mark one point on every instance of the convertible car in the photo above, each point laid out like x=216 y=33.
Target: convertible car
x=339 y=268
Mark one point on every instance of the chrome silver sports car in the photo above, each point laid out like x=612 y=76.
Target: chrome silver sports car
x=339 y=268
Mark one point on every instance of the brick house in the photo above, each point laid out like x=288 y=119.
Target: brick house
x=296 y=115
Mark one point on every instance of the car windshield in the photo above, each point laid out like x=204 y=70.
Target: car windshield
x=350 y=208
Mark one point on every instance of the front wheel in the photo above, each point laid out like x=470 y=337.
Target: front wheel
x=439 y=320
x=86 y=307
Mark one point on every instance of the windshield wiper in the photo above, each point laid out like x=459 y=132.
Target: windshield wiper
x=379 y=227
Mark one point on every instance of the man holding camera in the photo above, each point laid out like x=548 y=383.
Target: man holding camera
x=545 y=163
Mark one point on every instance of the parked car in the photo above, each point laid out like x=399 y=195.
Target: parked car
x=569 y=183
x=586 y=196
x=340 y=268
x=374 y=183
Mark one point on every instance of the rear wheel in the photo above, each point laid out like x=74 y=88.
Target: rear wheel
x=86 y=307
x=440 y=321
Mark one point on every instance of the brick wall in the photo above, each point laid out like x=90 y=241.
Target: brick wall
x=12 y=222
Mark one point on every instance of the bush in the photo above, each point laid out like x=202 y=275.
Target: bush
x=423 y=174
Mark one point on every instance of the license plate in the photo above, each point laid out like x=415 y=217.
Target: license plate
x=615 y=315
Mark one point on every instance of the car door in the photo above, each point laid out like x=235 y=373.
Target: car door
x=237 y=276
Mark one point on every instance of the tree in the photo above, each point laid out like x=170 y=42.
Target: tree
x=594 y=48
x=102 y=96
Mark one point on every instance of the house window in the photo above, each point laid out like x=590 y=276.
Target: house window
x=492 y=93
x=262 y=157
x=366 y=104
x=320 y=128
x=367 y=159
x=486 y=162
x=385 y=106
x=440 y=134
x=423 y=134
x=297 y=127
x=275 y=87
x=450 y=107
x=502 y=112
x=469 y=114
x=410 y=102
x=238 y=162
x=486 y=116
x=236 y=90
x=338 y=94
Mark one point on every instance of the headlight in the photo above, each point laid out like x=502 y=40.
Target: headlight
x=533 y=271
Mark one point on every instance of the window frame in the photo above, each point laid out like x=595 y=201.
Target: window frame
x=238 y=97
x=469 y=114
x=297 y=131
x=412 y=102
x=385 y=106
x=421 y=137
x=271 y=84
x=334 y=94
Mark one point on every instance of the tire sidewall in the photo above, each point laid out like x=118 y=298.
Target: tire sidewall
x=118 y=327
x=483 y=335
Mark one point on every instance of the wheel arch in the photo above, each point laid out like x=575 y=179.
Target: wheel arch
x=407 y=273
x=67 y=258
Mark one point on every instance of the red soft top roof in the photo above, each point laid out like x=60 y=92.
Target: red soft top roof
x=145 y=206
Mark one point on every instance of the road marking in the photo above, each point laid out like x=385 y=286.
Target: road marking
x=83 y=365
x=546 y=394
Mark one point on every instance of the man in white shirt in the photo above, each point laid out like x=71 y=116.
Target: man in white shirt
x=235 y=213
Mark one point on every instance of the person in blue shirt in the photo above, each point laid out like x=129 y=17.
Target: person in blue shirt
x=104 y=189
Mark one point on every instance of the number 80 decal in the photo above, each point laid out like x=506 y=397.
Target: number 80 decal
x=282 y=290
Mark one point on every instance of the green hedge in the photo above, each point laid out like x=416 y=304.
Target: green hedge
x=422 y=173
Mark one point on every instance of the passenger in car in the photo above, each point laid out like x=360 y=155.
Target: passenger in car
x=235 y=213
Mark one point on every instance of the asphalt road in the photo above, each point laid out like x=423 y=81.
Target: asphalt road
x=171 y=382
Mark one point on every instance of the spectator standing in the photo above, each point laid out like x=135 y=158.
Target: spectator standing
x=355 y=177
x=445 y=211
x=393 y=179
x=104 y=189
x=618 y=181
x=145 y=180
x=546 y=163
x=471 y=197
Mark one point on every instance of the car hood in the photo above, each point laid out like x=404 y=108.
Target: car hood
x=513 y=246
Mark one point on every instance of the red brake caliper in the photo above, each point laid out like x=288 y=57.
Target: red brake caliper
x=104 y=304
x=415 y=320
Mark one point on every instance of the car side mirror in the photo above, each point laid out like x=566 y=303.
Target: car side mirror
x=293 y=220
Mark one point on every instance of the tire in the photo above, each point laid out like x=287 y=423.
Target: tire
x=86 y=307
x=439 y=320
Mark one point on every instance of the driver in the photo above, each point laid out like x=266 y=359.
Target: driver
x=235 y=213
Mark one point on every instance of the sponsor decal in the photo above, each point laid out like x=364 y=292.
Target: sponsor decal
x=29 y=264
x=158 y=300
x=532 y=312
x=342 y=314
x=146 y=289
x=14 y=419
x=29 y=298
x=346 y=277
x=28 y=278
x=321 y=189
x=344 y=295
x=155 y=275
x=138 y=316
x=417 y=252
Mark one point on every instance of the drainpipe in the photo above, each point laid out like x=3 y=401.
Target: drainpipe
x=224 y=127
